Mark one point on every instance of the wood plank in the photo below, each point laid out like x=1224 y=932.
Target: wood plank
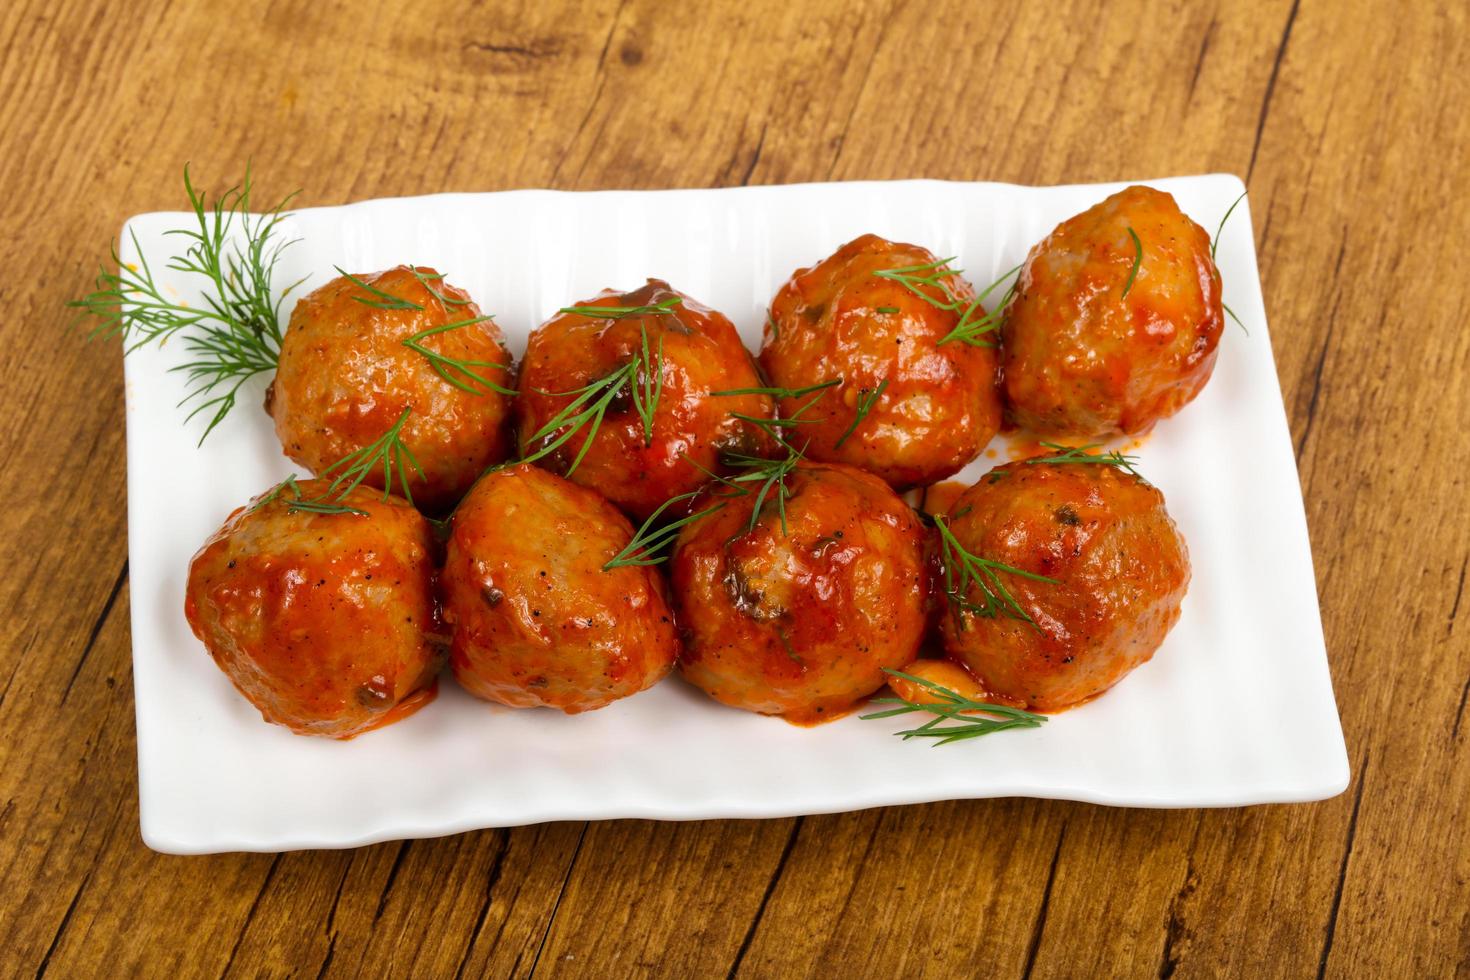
x=655 y=899
x=922 y=891
x=1346 y=119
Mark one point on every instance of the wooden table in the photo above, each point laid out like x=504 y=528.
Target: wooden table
x=1349 y=123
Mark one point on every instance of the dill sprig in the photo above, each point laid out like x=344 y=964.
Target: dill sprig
x=651 y=539
x=1214 y=244
x=974 y=323
x=1084 y=454
x=965 y=572
x=768 y=473
x=386 y=454
x=663 y=308
x=427 y=280
x=300 y=502
x=780 y=392
x=377 y=298
x=459 y=372
x=971 y=718
x=592 y=402
x=1215 y=241
x=771 y=475
x=926 y=275
x=773 y=427
x=648 y=387
x=1231 y=313
x=238 y=329
x=866 y=401
x=1137 y=260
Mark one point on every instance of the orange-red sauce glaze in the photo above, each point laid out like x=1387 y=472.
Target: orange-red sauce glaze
x=537 y=620
x=692 y=426
x=938 y=405
x=801 y=622
x=345 y=377
x=1081 y=358
x=327 y=623
x=1119 y=570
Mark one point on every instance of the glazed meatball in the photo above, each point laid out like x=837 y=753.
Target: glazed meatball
x=325 y=622
x=536 y=619
x=801 y=621
x=1117 y=570
x=693 y=429
x=1089 y=353
x=346 y=376
x=914 y=404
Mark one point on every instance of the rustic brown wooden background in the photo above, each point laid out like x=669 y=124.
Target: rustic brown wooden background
x=1349 y=122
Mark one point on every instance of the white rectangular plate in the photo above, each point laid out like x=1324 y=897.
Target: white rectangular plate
x=1236 y=708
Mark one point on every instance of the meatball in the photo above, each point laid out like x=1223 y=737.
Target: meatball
x=326 y=622
x=800 y=620
x=536 y=619
x=1093 y=346
x=347 y=375
x=914 y=404
x=639 y=463
x=1113 y=570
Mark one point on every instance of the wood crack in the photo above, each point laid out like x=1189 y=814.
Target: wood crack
x=858 y=867
x=65 y=921
x=331 y=929
x=1454 y=609
x=1341 y=253
x=540 y=48
x=760 y=910
x=760 y=145
x=1460 y=711
x=392 y=877
x=1271 y=88
x=1347 y=853
x=250 y=915
x=1176 y=933
x=1317 y=381
x=1199 y=61
x=1034 y=946
x=599 y=77
x=490 y=881
x=551 y=919
x=107 y=838
x=122 y=576
x=1266 y=227
x=858 y=98
x=14 y=669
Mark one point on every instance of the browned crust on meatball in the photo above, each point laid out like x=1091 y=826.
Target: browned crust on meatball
x=693 y=428
x=1120 y=569
x=939 y=405
x=801 y=622
x=327 y=623
x=345 y=377
x=536 y=619
x=1081 y=359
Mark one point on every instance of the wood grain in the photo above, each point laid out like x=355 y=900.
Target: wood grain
x=1348 y=120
